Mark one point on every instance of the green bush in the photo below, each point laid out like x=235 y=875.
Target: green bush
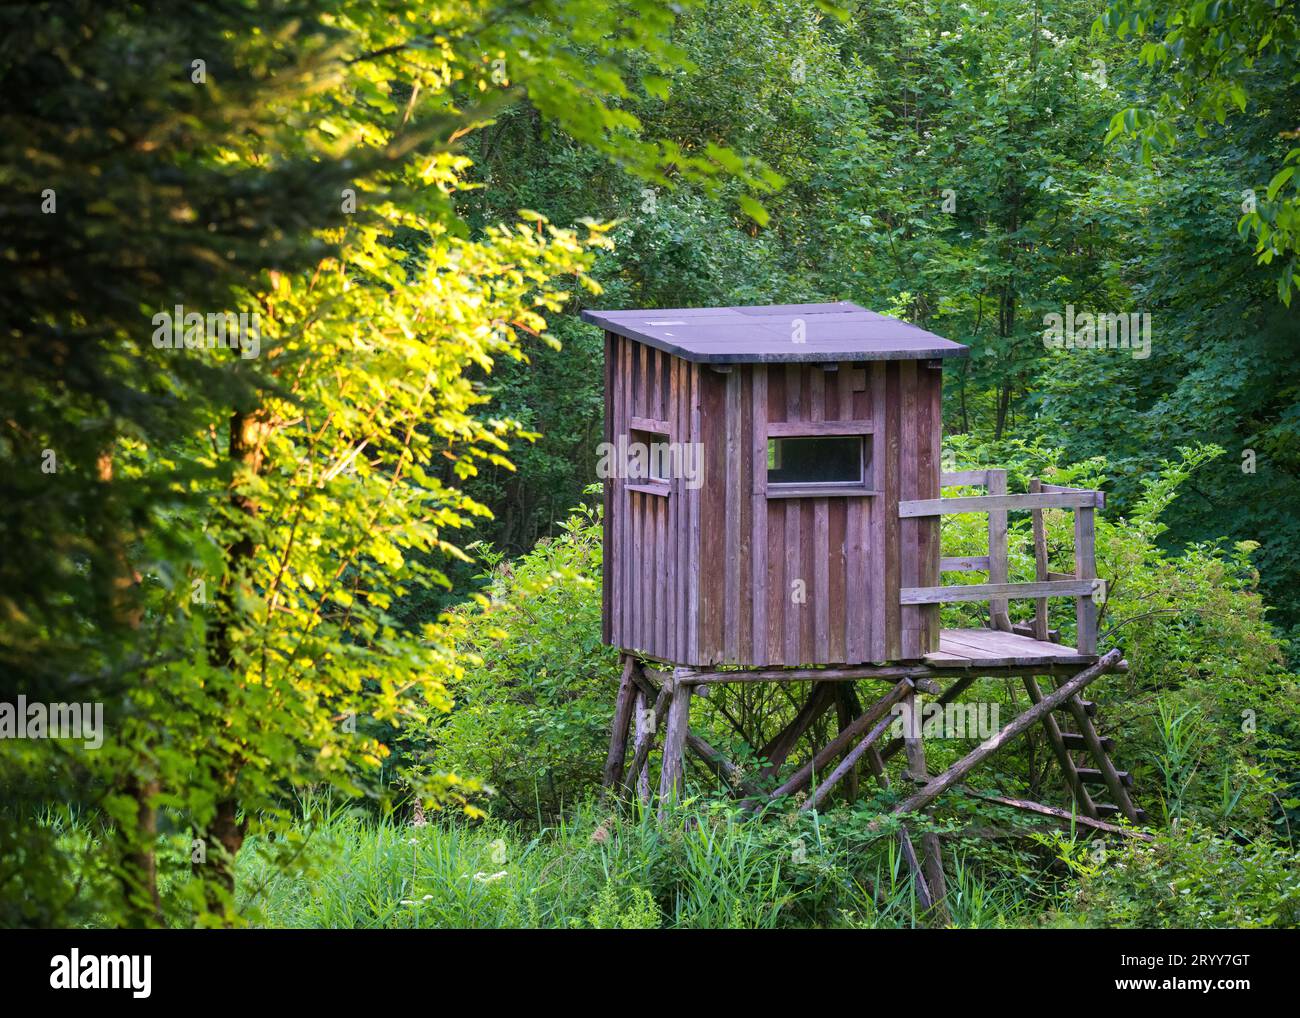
x=533 y=704
x=1188 y=878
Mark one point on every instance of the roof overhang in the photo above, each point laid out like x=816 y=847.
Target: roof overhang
x=777 y=333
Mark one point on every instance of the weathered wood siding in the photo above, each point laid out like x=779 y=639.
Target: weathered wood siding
x=727 y=574
x=651 y=585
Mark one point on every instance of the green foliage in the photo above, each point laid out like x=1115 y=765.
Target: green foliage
x=610 y=913
x=707 y=868
x=531 y=713
x=262 y=567
x=1188 y=878
x=1220 y=59
x=219 y=539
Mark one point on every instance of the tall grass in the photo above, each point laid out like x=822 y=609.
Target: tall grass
x=706 y=867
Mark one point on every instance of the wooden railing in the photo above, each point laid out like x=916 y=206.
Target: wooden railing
x=1082 y=584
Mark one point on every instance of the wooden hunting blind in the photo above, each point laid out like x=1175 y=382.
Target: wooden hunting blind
x=808 y=424
x=772 y=505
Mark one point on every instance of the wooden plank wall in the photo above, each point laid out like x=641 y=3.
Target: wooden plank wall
x=706 y=577
x=651 y=588
x=819 y=577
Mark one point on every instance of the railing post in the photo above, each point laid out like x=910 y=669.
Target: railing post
x=1085 y=568
x=998 y=573
x=1041 y=573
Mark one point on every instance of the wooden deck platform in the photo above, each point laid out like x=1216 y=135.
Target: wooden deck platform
x=992 y=648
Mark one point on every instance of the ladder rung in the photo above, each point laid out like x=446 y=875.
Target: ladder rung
x=1089 y=708
x=1073 y=740
x=1093 y=776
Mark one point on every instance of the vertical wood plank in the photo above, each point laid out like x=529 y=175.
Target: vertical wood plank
x=606 y=497
x=808 y=573
x=849 y=620
x=758 y=543
x=836 y=605
x=643 y=382
x=931 y=450
x=656 y=400
x=794 y=574
x=713 y=521
x=626 y=552
x=877 y=509
x=816 y=392
x=730 y=643
x=778 y=596
x=744 y=496
x=857 y=615
x=1085 y=568
x=794 y=594
x=670 y=516
x=889 y=506
x=821 y=582
x=794 y=401
x=662 y=602
x=693 y=537
x=685 y=619
x=775 y=392
x=909 y=529
x=998 y=616
x=1040 y=564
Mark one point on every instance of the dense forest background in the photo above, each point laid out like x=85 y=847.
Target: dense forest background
x=947 y=163
x=340 y=599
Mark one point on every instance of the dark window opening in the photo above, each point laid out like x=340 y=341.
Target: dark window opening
x=836 y=459
x=651 y=457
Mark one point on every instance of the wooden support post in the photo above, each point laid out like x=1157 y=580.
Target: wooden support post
x=671 y=773
x=914 y=745
x=644 y=727
x=622 y=717
x=641 y=754
x=1081 y=797
x=1085 y=568
x=937 y=786
x=998 y=571
x=923 y=896
x=1040 y=625
x=847 y=708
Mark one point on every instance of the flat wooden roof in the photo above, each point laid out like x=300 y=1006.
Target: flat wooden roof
x=767 y=334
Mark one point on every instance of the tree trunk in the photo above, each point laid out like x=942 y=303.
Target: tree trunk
x=224 y=834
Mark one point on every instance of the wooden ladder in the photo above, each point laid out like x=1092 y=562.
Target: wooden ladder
x=1087 y=743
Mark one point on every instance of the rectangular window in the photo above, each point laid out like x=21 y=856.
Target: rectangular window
x=650 y=456
x=817 y=460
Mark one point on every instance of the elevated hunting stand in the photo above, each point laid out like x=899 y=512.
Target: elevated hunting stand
x=775 y=518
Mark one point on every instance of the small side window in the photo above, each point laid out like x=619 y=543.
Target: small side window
x=817 y=460
x=651 y=457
